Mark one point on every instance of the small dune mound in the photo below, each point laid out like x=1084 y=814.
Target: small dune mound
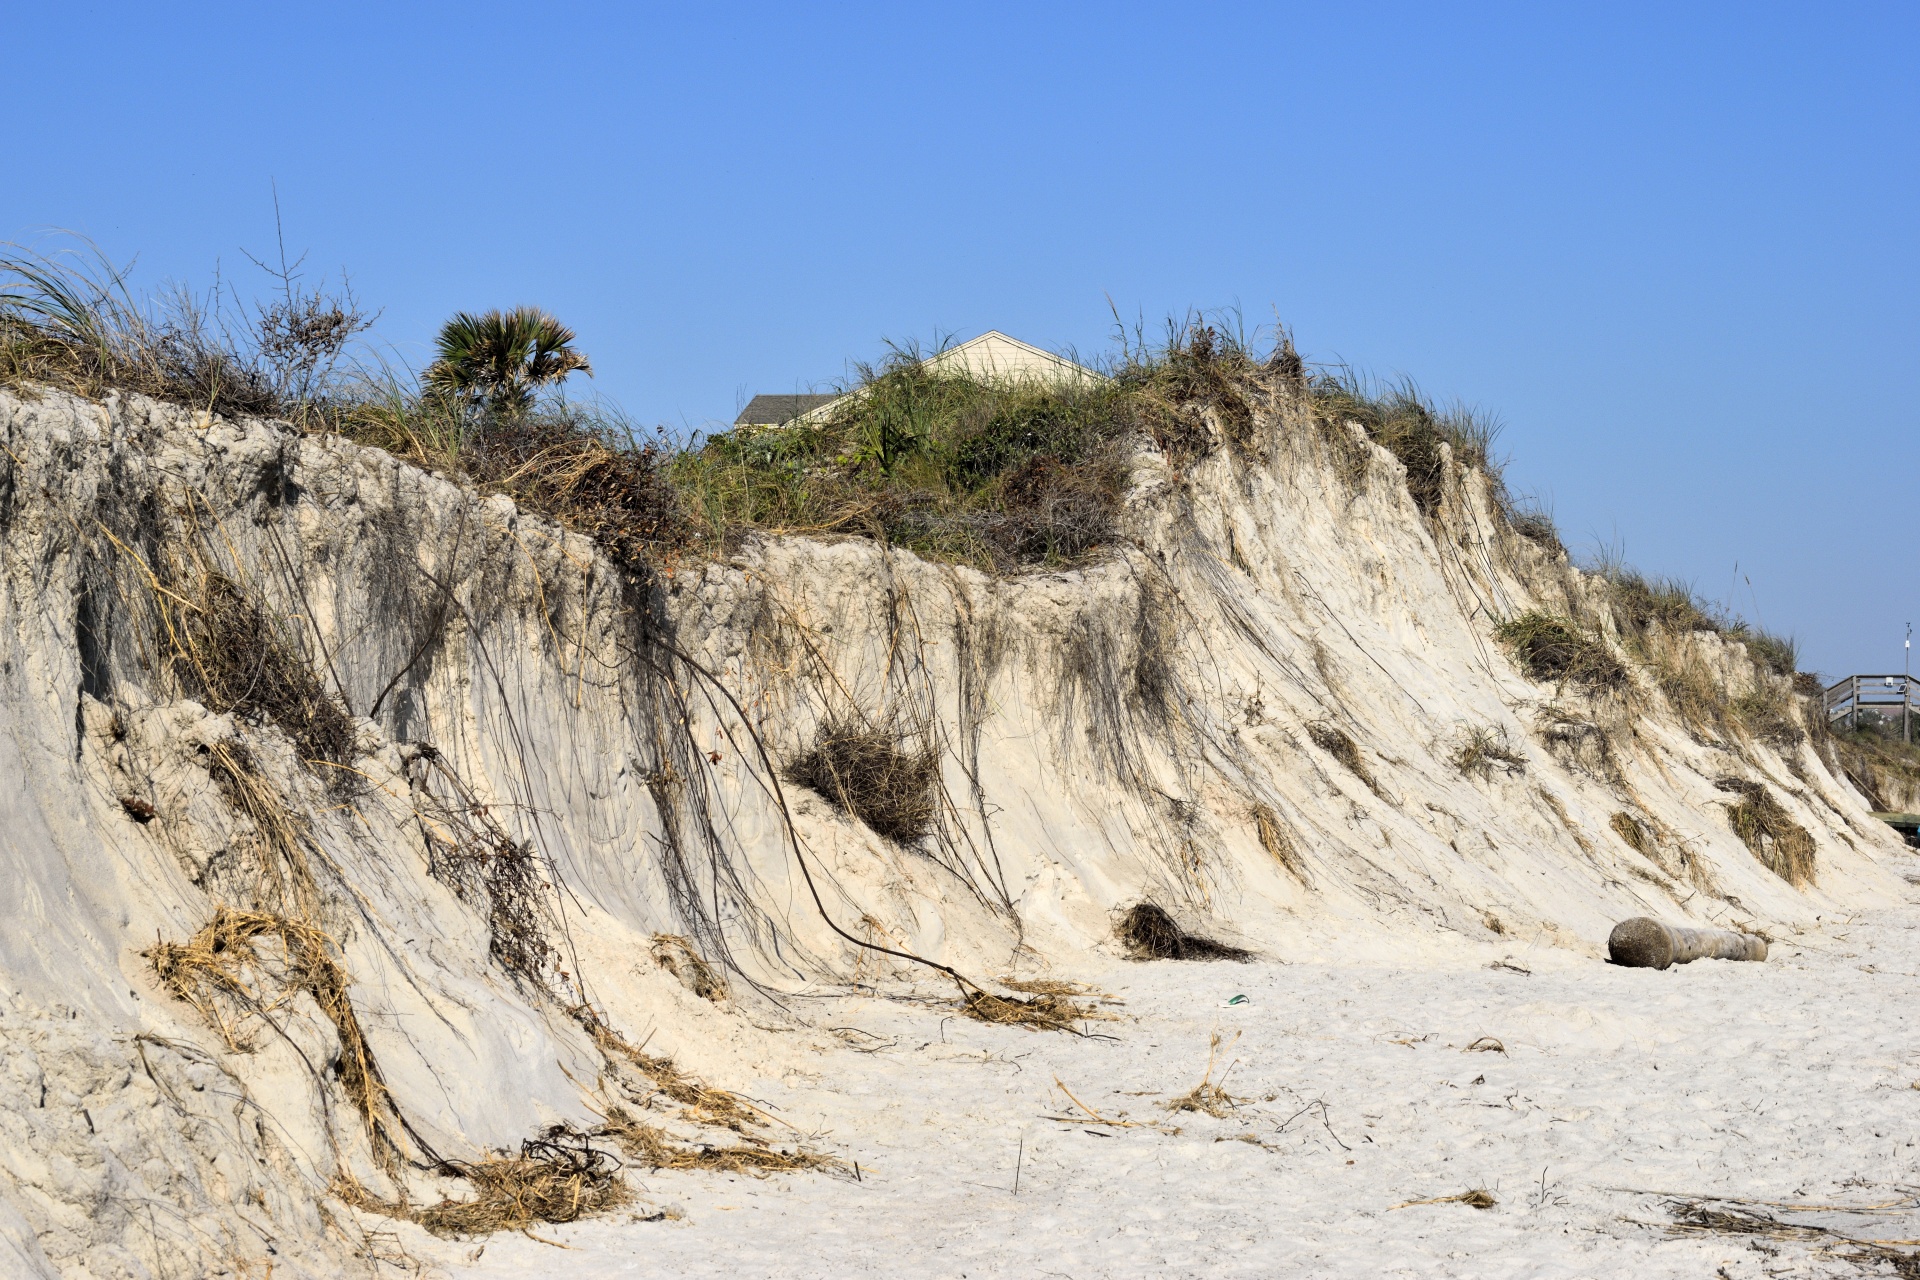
x=1149 y=933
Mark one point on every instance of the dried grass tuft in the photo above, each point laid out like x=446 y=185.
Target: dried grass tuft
x=1559 y=650
x=1635 y=833
x=1336 y=742
x=653 y=1147
x=1278 y=843
x=675 y=954
x=1149 y=933
x=1207 y=1097
x=867 y=773
x=1478 y=1198
x=222 y=964
x=1047 y=1011
x=1484 y=750
x=1785 y=847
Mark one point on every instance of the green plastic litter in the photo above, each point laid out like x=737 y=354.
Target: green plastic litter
x=1234 y=1001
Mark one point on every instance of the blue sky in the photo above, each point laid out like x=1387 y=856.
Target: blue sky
x=1672 y=246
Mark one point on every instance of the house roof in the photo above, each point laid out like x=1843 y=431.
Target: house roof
x=991 y=357
x=778 y=411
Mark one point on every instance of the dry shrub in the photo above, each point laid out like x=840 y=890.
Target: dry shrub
x=215 y=966
x=1483 y=750
x=1558 y=649
x=1336 y=742
x=1149 y=933
x=1278 y=843
x=867 y=773
x=1783 y=845
x=676 y=955
x=230 y=654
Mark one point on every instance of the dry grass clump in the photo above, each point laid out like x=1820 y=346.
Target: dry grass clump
x=1400 y=419
x=1483 y=750
x=1336 y=742
x=1885 y=769
x=1558 y=649
x=1149 y=933
x=676 y=955
x=583 y=467
x=559 y=1178
x=1635 y=833
x=1477 y=1198
x=654 y=1148
x=222 y=965
x=1207 y=1097
x=867 y=773
x=230 y=654
x=67 y=319
x=1046 y=1011
x=1783 y=845
x=1279 y=845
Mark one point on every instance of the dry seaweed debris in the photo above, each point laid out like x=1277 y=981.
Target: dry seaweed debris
x=653 y=1147
x=868 y=773
x=1336 y=742
x=1047 y=1011
x=1149 y=933
x=558 y=1178
x=1783 y=845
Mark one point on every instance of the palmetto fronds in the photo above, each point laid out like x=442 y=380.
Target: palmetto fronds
x=499 y=359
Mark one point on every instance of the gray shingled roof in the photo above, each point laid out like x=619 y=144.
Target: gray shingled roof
x=777 y=411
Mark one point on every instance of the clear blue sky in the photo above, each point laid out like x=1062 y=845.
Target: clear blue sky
x=1673 y=246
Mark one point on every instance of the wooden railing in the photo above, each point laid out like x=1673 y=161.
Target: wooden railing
x=1886 y=695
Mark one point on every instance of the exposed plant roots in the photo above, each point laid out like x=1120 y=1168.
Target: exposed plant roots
x=1278 y=844
x=1783 y=845
x=223 y=961
x=1149 y=933
x=228 y=652
x=500 y=877
x=1336 y=742
x=867 y=773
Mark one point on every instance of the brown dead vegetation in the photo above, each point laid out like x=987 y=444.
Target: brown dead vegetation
x=1336 y=742
x=1149 y=933
x=1784 y=846
x=1279 y=845
x=1482 y=751
x=871 y=774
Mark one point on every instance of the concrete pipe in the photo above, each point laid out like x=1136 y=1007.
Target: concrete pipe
x=1644 y=943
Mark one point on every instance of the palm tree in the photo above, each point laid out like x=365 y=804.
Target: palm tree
x=497 y=360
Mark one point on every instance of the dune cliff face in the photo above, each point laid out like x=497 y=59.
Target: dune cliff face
x=1251 y=713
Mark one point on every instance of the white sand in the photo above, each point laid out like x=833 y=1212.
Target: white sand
x=1791 y=1080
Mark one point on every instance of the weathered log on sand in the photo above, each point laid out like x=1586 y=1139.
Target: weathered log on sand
x=1645 y=943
